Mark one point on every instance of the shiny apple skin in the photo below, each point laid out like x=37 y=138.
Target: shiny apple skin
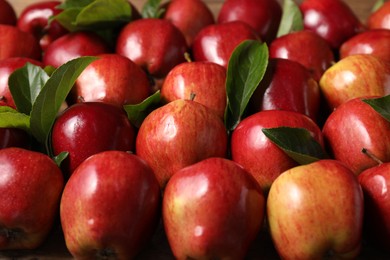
x=355 y=76
x=112 y=78
x=27 y=45
x=333 y=20
x=375 y=183
x=212 y=209
x=156 y=45
x=7 y=67
x=14 y=137
x=216 y=42
x=263 y=16
x=84 y=129
x=380 y=19
x=310 y=205
x=190 y=16
x=286 y=85
x=31 y=187
x=353 y=126
x=317 y=55
x=7 y=13
x=375 y=42
x=257 y=154
x=179 y=134
x=74 y=45
x=110 y=207
x=205 y=80
x=34 y=18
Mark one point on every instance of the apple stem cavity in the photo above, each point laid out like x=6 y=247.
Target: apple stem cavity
x=9 y=235
x=106 y=253
x=371 y=155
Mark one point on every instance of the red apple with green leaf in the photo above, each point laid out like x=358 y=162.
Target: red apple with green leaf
x=7 y=13
x=380 y=18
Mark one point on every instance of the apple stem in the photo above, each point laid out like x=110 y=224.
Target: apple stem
x=371 y=155
x=187 y=57
x=80 y=99
x=192 y=96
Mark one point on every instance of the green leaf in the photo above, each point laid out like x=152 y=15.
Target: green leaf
x=381 y=105
x=246 y=69
x=137 y=113
x=25 y=84
x=292 y=18
x=378 y=4
x=52 y=96
x=58 y=159
x=68 y=17
x=74 y=3
x=152 y=9
x=296 y=143
x=10 y=118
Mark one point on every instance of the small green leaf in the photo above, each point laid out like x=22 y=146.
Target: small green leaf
x=381 y=105
x=246 y=69
x=68 y=17
x=292 y=18
x=58 y=159
x=52 y=96
x=296 y=143
x=152 y=9
x=378 y=4
x=25 y=84
x=137 y=113
x=10 y=118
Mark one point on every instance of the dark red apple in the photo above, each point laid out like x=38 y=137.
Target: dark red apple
x=14 y=137
x=203 y=81
x=7 y=13
x=263 y=16
x=84 y=129
x=112 y=78
x=216 y=42
x=110 y=206
x=31 y=186
x=380 y=19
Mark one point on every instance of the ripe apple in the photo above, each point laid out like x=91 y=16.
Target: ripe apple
x=154 y=44
x=315 y=211
x=73 y=45
x=179 y=134
x=375 y=42
x=14 y=137
x=355 y=76
x=263 y=16
x=333 y=20
x=190 y=16
x=216 y=42
x=7 y=13
x=205 y=80
x=112 y=78
x=257 y=154
x=375 y=182
x=286 y=85
x=317 y=55
x=84 y=129
x=16 y=43
x=30 y=187
x=355 y=126
x=380 y=18
x=34 y=18
x=212 y=209
x=110 y=206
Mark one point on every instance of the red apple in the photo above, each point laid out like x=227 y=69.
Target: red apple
x=190 y=16
x=212 y=209
x=333 y=20
x=317 y=55
x=14 y=137
x=110 y=207
x=16 y=43
x=375 y=183
x=112 y=78
x=34 y=18
x=375 y=42
x=257 y=154
x=84 y=129
x=74 y=45
x=154 y=44
x=355 y=76
x=216 y=42
x=315 y=211
x=179 y=134
x=205 y=80
x=7 y=67
x=355 y=126
x=380 y=18
x=30 y=187
x=286 y=85
x=7 y=13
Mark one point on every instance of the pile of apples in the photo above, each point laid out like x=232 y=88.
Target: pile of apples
x=268 y=116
